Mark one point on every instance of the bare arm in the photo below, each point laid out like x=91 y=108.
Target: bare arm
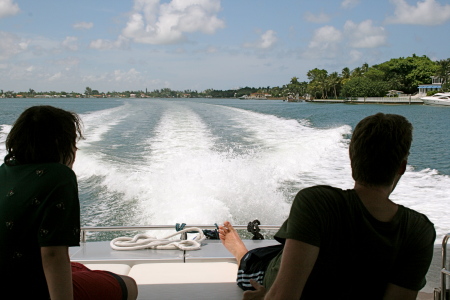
x=297 y=263
x=394 y=292
x=58 y=272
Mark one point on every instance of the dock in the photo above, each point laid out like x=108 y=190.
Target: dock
x=372 y=100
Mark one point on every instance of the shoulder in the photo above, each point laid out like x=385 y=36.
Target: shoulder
x=417 y=228
x=322 y=189
x=44 y=176
x=43 y=171
x=415 y=218
x=57 y=168
x=323 y=194
x=323 y=200
x=54 y=170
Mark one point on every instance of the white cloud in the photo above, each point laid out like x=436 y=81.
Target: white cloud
x=364 y=34
x=56 y=76
x=129 y=76
x=211 y=49
x=100 y=44
x=354 y=56
x=266 y=40
x=349 y=3
x=154 y=23
x=11 y=45
x=427 y=12
x=8 y=8
x=320 y=18
x=83 y=25
x=67 y=62
x=325 y=42
x=70 y=43
x=131 y=80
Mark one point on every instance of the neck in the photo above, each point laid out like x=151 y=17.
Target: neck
x=376 y=200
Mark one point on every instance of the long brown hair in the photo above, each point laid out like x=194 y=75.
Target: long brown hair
x=43 y=134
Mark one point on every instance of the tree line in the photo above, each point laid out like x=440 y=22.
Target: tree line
x=399 y=74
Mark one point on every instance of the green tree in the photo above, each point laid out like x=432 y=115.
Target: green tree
x=357 y=72
x=88 y=92
x=345 y=75
x=295 y=88
x=364 y=87
x=334 y=81
x=443 y=71
x=406 y=74
x=318 y=84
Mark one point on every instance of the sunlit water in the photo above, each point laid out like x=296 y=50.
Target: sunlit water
x=148 y=161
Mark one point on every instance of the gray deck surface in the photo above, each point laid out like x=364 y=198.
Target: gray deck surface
x=99 y=252
x=213 y=250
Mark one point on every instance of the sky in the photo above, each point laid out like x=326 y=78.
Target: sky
x=119 y=45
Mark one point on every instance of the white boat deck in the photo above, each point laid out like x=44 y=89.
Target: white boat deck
x=208 y=273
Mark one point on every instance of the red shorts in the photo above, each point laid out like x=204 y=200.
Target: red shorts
x=92 y=284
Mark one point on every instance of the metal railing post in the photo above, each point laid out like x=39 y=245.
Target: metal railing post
x=444 y=271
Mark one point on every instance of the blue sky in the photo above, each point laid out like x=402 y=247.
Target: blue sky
x=117 y=45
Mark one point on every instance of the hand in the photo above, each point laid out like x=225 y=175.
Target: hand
x=258 y=294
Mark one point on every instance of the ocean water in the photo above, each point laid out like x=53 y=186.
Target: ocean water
x=204 y=161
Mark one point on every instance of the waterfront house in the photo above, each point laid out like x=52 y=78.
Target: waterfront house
x=436 y=84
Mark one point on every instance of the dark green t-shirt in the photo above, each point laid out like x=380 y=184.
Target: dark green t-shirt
x=358 y=255
x=39 y=207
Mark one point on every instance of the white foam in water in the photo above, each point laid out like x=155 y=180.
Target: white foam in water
x=179 y=177
x=427 y=192
x=185 y=181
x=4 y=131
x=98 y=123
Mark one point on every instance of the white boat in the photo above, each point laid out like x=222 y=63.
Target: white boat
x=437 y=99
x=204 y=274
x=207 y=273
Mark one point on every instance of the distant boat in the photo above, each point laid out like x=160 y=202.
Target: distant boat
x=437 y=99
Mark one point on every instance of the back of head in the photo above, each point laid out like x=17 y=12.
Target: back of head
x=43 y=134
x=379 y=145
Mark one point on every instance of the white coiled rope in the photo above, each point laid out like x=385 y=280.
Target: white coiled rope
x=144 y=241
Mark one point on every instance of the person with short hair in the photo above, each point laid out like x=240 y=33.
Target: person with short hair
x=40 y=214
x=346 y=244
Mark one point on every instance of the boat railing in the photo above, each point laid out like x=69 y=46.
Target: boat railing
x=86 y=229
x=442 y=293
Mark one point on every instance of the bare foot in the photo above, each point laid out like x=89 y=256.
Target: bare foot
x=232 y=241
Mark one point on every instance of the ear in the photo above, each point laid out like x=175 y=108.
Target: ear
x=402 y=168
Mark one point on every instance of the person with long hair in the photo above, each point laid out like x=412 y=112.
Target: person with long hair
x=40 y=214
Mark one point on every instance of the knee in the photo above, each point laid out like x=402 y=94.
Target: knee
x=131 y=287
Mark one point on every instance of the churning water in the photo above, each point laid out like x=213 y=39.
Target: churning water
x=149 y=161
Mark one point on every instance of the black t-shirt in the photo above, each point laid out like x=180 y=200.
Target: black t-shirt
x=359 y=255
x=39 y=207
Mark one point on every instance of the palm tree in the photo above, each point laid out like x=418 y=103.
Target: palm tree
x=444 y=70
x=294 y=80
x=364 y=68
x=88 y=92
x=345 y=75
x=334 y=80
x=357 y=72
x=31 y=92
x=318 y=82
